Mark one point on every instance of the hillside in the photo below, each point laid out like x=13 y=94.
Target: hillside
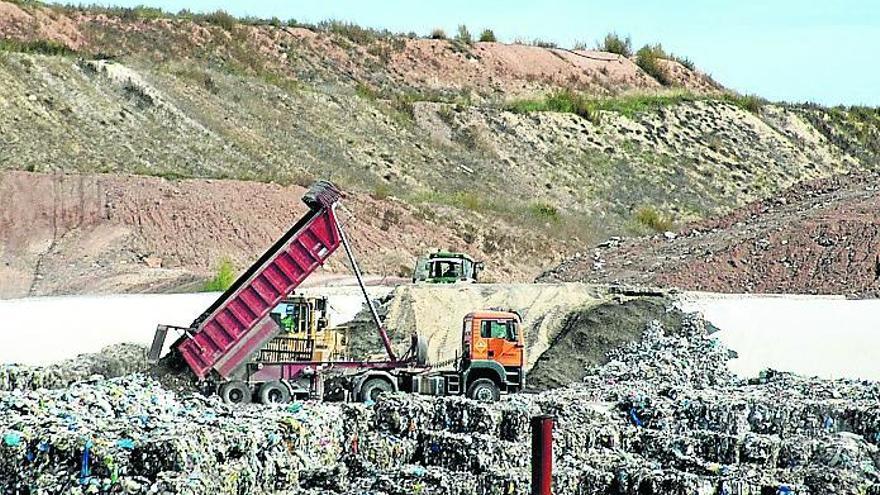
x=820 y=237
x=517 y=153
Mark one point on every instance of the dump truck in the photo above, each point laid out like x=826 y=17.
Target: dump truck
x=446 y=267
x=232 y=347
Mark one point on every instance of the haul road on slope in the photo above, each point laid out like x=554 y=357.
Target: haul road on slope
x=223 y=345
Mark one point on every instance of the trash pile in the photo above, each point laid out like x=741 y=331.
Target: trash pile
x=112 y=361
x=663 y=416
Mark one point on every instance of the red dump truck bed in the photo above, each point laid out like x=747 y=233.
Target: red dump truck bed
x=238 y=323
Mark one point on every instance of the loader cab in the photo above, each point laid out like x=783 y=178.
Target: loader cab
x=493 y=354
x=445 y=267
x=305 y=333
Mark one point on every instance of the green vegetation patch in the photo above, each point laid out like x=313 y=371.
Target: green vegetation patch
x=614 y=43
x=567 y=101
x=223 y=278
x=649 y=217
x=43 y=47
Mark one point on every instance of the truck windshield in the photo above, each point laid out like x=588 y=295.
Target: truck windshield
x=445 y=269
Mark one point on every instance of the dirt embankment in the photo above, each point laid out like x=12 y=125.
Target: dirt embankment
x=348 y=54
x=68 y=234
x=820 y=237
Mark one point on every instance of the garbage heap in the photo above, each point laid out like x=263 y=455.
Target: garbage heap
x=664 y=416
x=112 y=361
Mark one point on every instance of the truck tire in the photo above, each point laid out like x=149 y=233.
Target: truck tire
x=373 y=388
x=274 y=393
x=483 y=390
x=235 y=392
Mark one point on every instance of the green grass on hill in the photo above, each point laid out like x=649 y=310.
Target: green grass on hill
x=566 y=101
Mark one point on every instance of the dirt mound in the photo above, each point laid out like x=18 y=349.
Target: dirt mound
x=437 y=311
x=820 y=237
x=587 y=335
x=69 y=234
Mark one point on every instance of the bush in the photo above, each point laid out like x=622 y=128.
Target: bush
x=222 y=279
x=648 y=58
x=749 y=103
x=365 y=92
x=613 y=43
x=356 y=34
x=651 y=218
x=438 y=34
x=688 y=63
x=464 y=36
x=543 y=43
x=488 y=35
x=563 y=101
x=44 y=47
x=544 y=212
x=221 y=18
x=381 y=191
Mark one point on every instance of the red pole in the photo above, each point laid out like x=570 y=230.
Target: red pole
x=542 y=454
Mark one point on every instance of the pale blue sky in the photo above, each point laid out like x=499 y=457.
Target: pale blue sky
x=792 y=50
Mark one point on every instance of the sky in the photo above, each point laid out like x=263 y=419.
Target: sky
x=784 y=50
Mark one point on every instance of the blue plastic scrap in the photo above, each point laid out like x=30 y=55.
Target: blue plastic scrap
x=12 y=439
x=125 y=443
x=634 y=417
x=85 y=470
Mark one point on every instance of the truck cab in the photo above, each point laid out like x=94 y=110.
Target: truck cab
x=445 y=267
x=493 y=354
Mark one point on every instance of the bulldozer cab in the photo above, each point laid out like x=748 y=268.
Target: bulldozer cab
x=494 y=336
x=446 y=268
x=305 y=332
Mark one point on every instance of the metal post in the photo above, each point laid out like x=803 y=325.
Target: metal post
x=357 y=274
x=542 y=454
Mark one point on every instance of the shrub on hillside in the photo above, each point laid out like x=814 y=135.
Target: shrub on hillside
x=563 y=101
x=544 y=211
x=438 y=34
x=648 y=58
x=488 y=35
x=463 y=35
x=750 y=103
x=222 y=279
x=221 y=18
x=613 y=43
x=544 y=43
x=651 y=218
x=44 y=47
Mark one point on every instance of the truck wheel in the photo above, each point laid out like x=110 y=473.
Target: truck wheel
x=373 y=388
x=235 y=392
x=483 y=390
x=274 y=393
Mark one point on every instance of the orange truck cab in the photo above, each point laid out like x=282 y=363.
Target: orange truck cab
x=493 y=354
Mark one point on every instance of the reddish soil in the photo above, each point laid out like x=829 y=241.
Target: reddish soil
x=820 y=237
x=63 y=234
x=424 y=64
